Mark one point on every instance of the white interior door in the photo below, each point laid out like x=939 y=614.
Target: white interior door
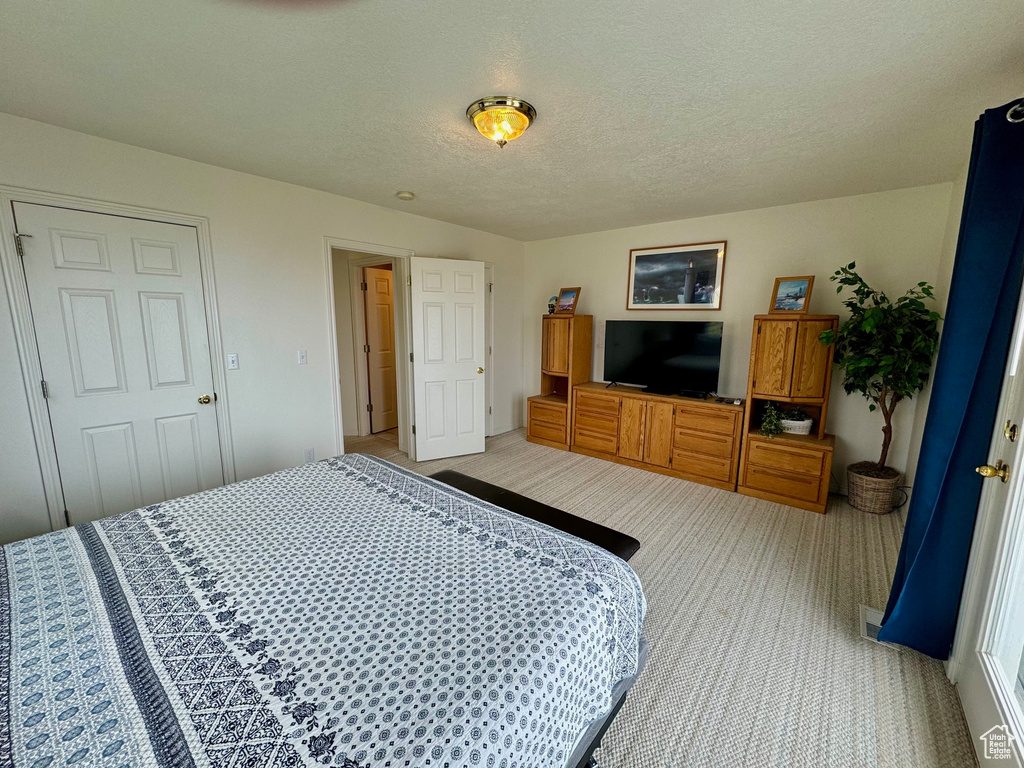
x=120 y=321
x=990 y=634
x=380 y=355
x=448 y=347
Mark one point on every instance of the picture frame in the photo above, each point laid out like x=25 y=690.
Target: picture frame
x=792 y=295
x=567 y=299
x=686 y=276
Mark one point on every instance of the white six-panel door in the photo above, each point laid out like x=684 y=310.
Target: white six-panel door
x=120 y=321
x=448 y=345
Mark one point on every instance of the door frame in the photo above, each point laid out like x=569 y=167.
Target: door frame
x=25 y=336
x=982 y=634
x=399 y=260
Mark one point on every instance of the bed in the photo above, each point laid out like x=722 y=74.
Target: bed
x=346 y=613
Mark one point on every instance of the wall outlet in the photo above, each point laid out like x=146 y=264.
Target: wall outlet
x=232 y=362
x=309 y=456
x=301 y=357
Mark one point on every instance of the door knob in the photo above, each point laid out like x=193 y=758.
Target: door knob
x=479 y=370
x=1000 y=470
x=206 y=399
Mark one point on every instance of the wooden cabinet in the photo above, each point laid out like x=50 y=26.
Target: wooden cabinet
x=555 y=345
x=772 y=363
x=632 y=423
x=790 y=367
x=564 y=361
x=658 y=433
x=697 y=440
x=787 y=360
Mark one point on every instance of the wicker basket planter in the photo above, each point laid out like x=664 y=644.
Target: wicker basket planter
x=793 y=427
x=872 y=489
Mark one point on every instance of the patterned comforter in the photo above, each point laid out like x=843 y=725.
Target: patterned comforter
x=344 y=613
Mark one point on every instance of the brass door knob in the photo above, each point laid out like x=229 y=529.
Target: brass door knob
x=205 y=400
x=479 y=370
x=1000 y=470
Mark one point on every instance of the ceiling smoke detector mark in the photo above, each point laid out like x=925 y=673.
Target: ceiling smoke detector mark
x=871 y=624
x=405 y=196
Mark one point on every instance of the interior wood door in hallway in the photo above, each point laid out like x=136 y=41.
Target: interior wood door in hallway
x=120 y=322
x=380 y=348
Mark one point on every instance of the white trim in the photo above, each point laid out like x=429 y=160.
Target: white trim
x=399 y=259
x=25 y=338
x=489 y=338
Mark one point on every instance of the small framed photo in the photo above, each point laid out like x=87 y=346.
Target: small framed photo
x=792 y=295
x=567 y=298
x=676 y=277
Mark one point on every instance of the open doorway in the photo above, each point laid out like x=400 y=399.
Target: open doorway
x=386 y=335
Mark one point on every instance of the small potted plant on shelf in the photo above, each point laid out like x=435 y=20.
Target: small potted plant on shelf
x=771 y=421
x=885 y=349
x=795 y=421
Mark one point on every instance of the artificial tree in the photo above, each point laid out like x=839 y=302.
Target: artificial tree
x=885 y=349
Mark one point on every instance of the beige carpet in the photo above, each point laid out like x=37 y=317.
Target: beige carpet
x=755 y=654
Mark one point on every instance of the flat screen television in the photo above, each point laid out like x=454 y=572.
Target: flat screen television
x=664 y=356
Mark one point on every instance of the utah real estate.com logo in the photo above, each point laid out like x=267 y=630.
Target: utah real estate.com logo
x=996 y=743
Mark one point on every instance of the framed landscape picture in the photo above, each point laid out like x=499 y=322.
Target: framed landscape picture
x=567 y=298
x=792 y=295
x=676 y=277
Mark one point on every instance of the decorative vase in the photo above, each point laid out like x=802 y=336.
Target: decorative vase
x=792 y=427
x=872 y=489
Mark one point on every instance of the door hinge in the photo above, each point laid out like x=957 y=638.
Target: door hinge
x=46 y=389
x=17 y=244
x=369 y=407
x=489 y=409
x=366 y=348
x=414 y=429
x=67 y=518
x=410 y=357
x=490 y=287
x=362 y=286
x=759 y=329
x=409 y=278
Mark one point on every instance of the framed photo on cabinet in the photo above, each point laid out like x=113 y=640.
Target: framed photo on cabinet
x=567 y=299
x=677 y=276
x=792 y=295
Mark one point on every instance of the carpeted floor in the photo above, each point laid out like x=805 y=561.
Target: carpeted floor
x=755 y=654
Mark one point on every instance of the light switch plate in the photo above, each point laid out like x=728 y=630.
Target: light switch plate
x=232 y=362
x=302 y=357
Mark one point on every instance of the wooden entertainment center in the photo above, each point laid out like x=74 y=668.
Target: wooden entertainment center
x=696 y=440
x=704 y=441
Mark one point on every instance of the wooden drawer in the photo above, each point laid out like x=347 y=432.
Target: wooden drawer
x=703 y=442
x=706 y=419
x=788 y=458
x=548 y=412
x=794 y=486
x=597 y=403
x=592 y=422
x=595 y=441
x=702 y=466
x=546 y=431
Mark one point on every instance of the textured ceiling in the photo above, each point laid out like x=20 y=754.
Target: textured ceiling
x=648 y=111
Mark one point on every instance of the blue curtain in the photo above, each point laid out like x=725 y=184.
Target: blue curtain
x=925 y=597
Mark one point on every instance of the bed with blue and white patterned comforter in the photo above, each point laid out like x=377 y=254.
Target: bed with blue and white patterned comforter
x=345 y=613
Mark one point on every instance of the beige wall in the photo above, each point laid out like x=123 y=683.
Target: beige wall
x=896 y=238
x=942 y=283
x=269 y=261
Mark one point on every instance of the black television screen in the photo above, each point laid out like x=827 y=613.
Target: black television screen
x=664 y=356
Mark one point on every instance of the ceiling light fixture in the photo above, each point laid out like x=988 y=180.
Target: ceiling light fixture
x=501 y=118
x=405 y=196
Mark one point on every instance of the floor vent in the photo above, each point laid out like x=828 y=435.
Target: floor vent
x=870 y=624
